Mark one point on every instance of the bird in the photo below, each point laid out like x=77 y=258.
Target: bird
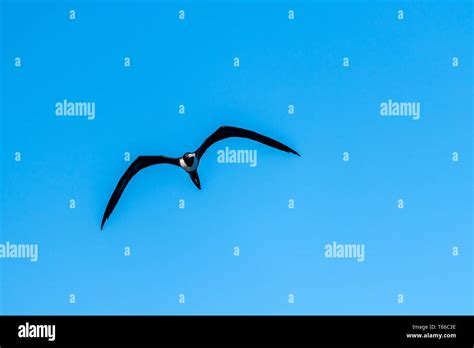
x=189 y=161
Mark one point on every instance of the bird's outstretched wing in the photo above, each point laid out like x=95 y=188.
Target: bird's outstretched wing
x=225 y=132
x=137 y=165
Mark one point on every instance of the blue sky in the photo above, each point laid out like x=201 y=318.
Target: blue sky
x=190 y=251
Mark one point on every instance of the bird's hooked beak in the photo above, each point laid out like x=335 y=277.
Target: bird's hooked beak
x=195 y=178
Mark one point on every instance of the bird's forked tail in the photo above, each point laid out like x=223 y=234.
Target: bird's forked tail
x=195 y=178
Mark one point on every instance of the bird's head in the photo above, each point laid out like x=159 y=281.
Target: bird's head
x=189 y=158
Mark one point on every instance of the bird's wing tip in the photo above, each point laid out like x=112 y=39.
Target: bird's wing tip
x=294 y=152
x=104 y=219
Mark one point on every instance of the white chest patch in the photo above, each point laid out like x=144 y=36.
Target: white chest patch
x=188 y=168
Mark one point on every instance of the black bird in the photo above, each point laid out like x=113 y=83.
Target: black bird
x=189 y=161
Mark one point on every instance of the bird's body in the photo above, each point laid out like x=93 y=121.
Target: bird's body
x=189 y=162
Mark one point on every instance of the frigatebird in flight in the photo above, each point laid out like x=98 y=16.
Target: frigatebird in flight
x=189 y=161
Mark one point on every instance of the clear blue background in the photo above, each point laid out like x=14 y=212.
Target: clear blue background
x=283 y=62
